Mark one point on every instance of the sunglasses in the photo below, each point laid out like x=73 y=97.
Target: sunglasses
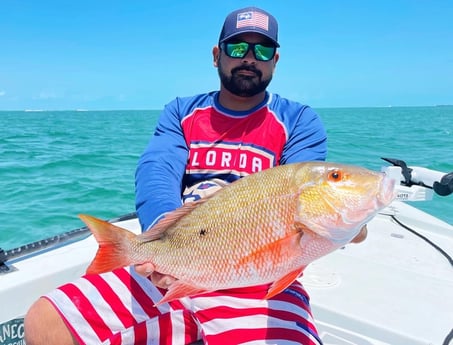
x=240 y=49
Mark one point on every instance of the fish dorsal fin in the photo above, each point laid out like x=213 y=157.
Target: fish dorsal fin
x=169 y=220
x=281 y=284
x=178 y=290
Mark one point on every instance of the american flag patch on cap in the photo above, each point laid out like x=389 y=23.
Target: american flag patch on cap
x=252 y=18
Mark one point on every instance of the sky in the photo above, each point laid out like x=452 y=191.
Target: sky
x=98 y=54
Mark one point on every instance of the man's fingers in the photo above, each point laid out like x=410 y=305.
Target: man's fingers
x=145 y=269
x=162 y=281
x=361 y=236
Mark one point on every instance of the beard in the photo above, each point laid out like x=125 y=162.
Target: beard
x=243 y=85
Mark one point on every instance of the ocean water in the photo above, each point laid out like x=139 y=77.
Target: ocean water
x=57 y=164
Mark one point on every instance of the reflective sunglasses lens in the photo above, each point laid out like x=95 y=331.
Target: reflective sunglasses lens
x=264 y=53
x=237 y=50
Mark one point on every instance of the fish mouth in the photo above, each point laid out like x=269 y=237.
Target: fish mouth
x=383 y=196
x=387 y=192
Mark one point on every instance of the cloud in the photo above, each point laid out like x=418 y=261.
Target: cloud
x=2 y=93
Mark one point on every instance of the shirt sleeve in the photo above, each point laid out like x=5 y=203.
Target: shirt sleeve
x=307 y=138
x=160 y=170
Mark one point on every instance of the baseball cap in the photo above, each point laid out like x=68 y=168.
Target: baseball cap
x=250 y=19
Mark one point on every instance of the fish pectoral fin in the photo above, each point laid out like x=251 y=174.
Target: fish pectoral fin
x=285 y=245
x=281 y=284
x=179 y=290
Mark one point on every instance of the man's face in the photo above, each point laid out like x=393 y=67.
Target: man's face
x=246 y=76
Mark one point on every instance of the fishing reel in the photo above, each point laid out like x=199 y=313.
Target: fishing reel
x=417 y=183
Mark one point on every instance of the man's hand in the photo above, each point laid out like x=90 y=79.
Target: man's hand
x=160 y=280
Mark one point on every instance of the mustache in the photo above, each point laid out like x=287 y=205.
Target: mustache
x=249 y=68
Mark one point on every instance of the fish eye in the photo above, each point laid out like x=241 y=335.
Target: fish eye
x=335 y=175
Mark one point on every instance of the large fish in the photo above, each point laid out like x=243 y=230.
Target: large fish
x=263 y=228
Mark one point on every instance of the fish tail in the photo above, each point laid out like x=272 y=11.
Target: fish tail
x=114 y=248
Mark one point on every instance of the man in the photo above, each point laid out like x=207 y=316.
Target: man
x=200 y=142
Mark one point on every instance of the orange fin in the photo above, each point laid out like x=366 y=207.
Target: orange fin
x=283 y=244
x=281 y=284
x=113 y=251
x=170 y=219
x=179 y=290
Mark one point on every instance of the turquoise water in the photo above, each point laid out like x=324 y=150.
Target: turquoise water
x=55 y=165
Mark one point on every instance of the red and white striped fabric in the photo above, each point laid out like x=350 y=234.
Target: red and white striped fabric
x=118 y=308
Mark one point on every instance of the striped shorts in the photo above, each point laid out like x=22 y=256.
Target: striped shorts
x=118 y=308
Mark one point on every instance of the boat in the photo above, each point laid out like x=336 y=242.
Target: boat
x=394 y=288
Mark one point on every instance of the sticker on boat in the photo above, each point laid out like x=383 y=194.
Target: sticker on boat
x=12 y=332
